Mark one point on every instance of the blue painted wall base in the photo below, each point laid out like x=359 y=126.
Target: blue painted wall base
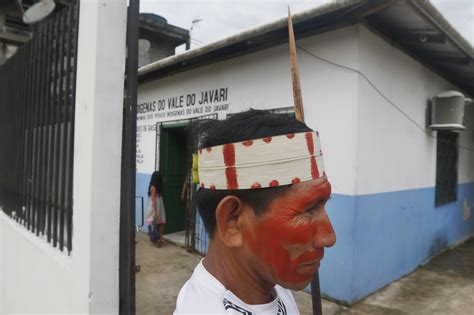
x=390 y=235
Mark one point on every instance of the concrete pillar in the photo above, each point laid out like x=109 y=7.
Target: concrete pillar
x=97 y=153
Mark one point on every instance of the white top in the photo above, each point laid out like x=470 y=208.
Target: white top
x=204 y=294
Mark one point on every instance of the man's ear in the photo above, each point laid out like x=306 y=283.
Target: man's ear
x=228 y=212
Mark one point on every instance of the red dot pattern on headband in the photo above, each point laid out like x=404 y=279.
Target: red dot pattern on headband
x=295 y=180
x=267 y=139
x=247 y=143
x=290 y=135
x=273 y=183
x=256 y=185
x=212 y=187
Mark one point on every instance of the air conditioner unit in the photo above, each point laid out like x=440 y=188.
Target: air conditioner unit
x=447 y=111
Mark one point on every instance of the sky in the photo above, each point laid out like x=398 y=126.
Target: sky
x=223 y=18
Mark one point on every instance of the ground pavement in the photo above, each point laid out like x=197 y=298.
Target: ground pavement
x=443 y=286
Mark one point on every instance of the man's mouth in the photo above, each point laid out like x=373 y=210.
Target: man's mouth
x=312 y=263
x=309 y=267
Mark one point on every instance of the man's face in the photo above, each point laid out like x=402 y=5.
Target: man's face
x=288 y=239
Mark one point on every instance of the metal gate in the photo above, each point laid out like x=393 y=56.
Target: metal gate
x=37 y=104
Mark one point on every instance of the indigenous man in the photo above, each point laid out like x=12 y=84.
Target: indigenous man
x=262 y=198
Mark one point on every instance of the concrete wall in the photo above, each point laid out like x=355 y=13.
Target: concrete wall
x=35 y=277
x=397 y=226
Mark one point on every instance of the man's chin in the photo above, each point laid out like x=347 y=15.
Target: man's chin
x=296 y=286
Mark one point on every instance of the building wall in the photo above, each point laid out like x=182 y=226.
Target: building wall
x=35 y=277
x=397 y=226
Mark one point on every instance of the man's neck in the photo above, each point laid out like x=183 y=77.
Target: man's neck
x=237 y=277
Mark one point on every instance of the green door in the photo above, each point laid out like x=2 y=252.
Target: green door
x=173 y=168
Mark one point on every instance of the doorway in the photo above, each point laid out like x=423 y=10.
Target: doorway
x=173 y=167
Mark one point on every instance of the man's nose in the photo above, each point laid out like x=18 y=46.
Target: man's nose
x=323 y=235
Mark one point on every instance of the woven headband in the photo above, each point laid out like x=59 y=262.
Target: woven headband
x=261 y=163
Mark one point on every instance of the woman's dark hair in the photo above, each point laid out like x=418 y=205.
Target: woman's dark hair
x=156 y=181
x=247 y=125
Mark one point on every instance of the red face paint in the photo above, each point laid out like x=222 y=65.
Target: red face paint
x=290 y=236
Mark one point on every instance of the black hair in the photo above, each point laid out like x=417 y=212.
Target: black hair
x=247 y=125
x=156 y=181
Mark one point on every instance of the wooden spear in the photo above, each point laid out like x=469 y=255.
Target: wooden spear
x=295 y=73
x=298 y=99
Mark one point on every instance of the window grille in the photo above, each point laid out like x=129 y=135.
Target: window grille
x=446 y=167
x=37 y=96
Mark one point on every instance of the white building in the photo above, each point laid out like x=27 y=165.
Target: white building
x=368 y=72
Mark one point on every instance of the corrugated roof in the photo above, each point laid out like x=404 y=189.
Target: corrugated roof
x=415 y=26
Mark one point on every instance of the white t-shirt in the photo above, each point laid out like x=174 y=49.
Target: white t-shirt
x=204 y=294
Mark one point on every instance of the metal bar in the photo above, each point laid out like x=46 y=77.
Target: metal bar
x=57 y=130
x=35 y=129
x=17 y=121
x=28 y=145
x=3 y=140
x=127 y=206
x=74 y=10
x=3 y=74
x=41 y=130
x=48 y=131
x=52 y=129
x=63 y=128
x=61 y=134
x=34 y=140
x=23 y=110
x=65 y=43
x=8 y=143
x=4 y=137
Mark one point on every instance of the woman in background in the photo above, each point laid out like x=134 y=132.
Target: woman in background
x=156 y=216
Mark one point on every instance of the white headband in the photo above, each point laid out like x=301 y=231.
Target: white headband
x=261 y=163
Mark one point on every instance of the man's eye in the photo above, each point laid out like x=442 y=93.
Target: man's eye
x=317 y=206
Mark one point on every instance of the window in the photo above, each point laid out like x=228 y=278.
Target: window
x=446 y=167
